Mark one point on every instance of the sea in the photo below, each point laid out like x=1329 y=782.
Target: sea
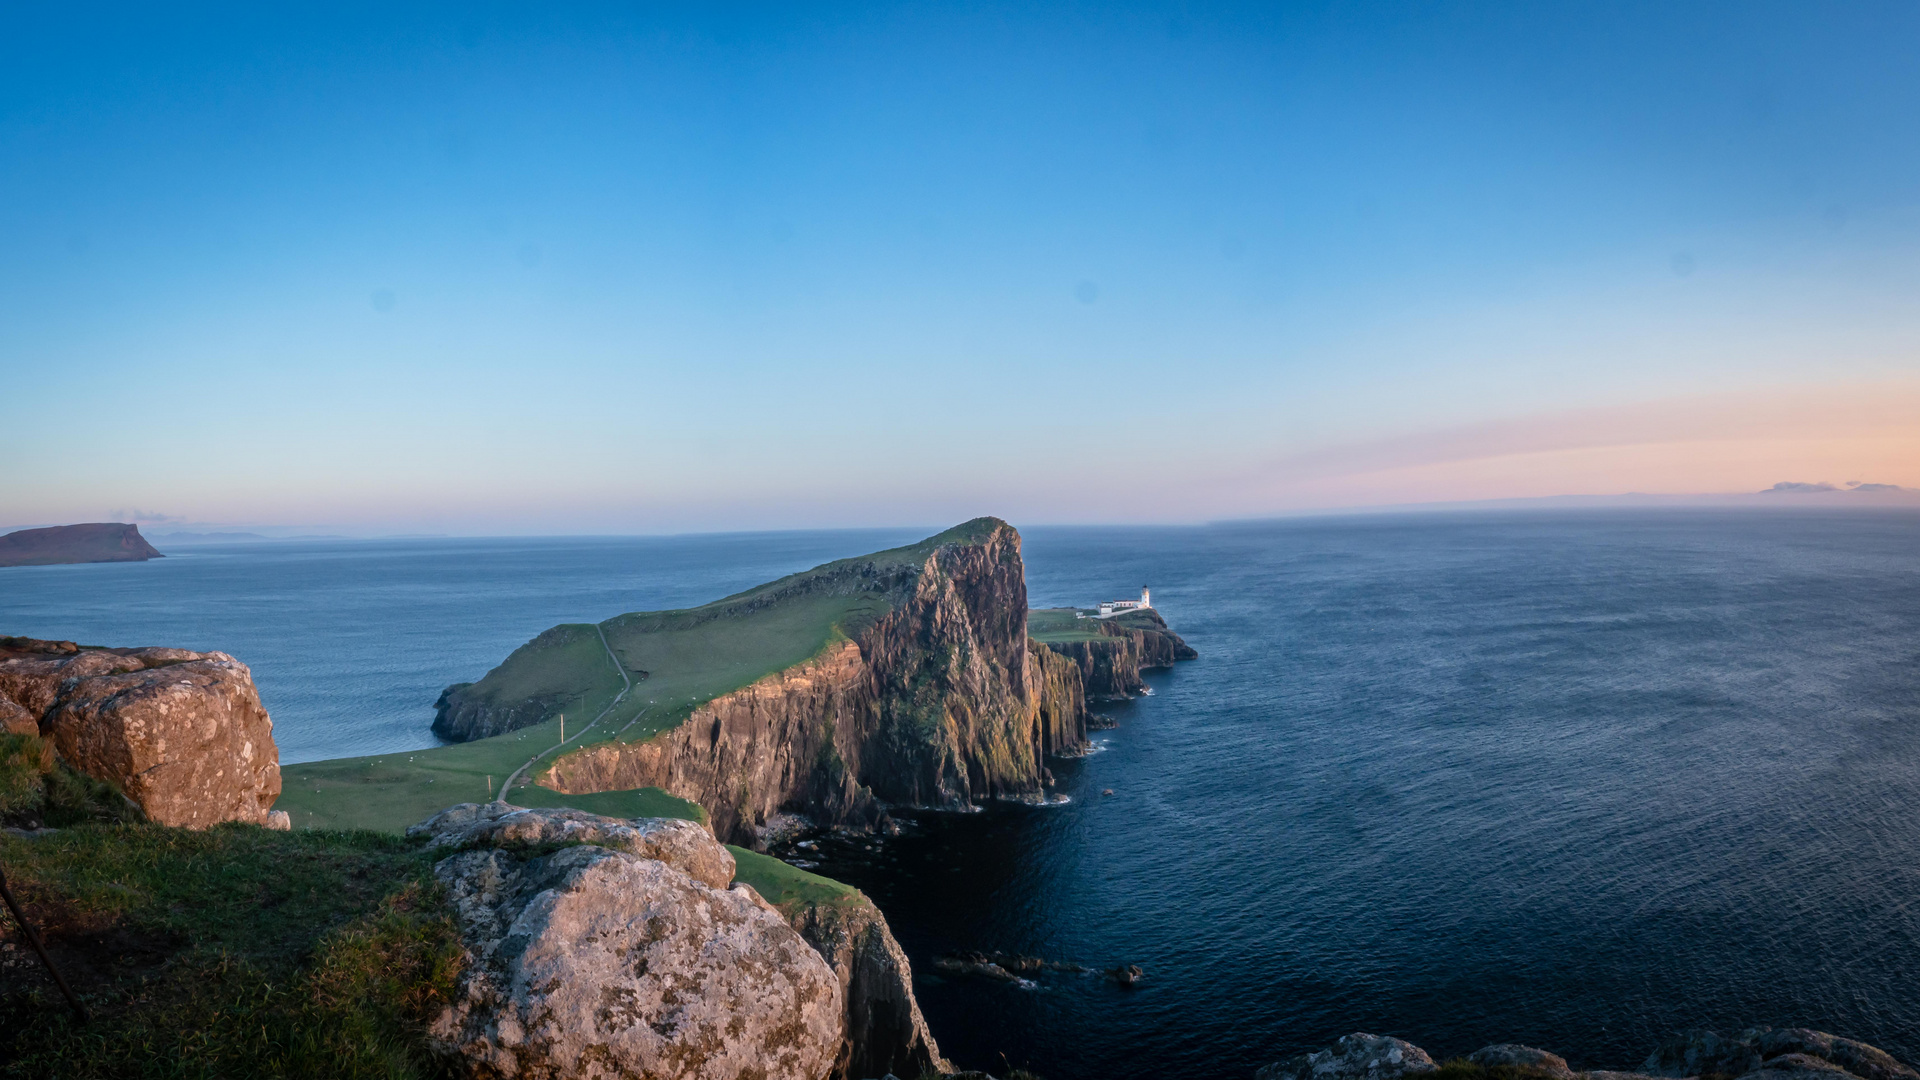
x=1577 y=780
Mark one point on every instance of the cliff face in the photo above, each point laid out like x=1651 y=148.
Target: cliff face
x=1110 y=666
x=936 y=701
x=98 y=542
x=182 y=734
x=885 y=1033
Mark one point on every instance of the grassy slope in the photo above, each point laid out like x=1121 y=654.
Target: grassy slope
x=229 y=952
x=784 y=885
x=1056 y=625
x=688 y=656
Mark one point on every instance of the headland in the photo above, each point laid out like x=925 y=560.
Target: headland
x=92 y=543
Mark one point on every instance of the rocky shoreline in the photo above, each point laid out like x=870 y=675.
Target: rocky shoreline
x=1761 y=1053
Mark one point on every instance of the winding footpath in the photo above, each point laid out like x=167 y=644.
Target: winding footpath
x=617 y=698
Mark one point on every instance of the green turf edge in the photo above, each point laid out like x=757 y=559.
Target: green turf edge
x=786 y=886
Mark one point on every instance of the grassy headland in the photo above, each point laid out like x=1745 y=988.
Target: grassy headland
x=1052 y=626
x=677 y=660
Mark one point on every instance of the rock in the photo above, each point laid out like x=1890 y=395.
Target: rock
x=1127 y=975
x=1798 y=1067
x=589 y=961
x=885 y=1032
x=684 y=845
x=1513 y=1055
x=1358 y=1056
x=181 y=734
x=279 y=820
x=1757 y=1050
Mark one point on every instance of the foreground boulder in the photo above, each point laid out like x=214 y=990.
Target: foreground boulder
x=590 y=961
x=181 y=734
x=1754 y=1054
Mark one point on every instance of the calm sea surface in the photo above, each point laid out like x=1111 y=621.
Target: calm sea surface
x=1572 y=780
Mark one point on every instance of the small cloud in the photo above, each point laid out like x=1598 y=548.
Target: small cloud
x=1857 y=486
x=138 y=515
x=1796 y=487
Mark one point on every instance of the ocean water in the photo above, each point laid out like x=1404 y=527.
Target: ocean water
x=1574 y=780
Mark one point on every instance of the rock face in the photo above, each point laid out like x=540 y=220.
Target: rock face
x=1358 y=1056
x=1754 y=1054
x=1772 y=1052
x=182 y=734
x=885 y=1033
x=939 y=701
x=1111 y=666
x=589 y=961
x=99 y=542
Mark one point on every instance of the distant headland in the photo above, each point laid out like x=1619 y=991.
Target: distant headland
x=106 y=541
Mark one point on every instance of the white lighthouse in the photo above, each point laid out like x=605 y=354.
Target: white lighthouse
x=1109 y=608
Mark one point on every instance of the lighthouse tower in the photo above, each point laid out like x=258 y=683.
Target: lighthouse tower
x=1146 y=600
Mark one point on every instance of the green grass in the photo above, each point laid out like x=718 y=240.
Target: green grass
x=1052 y=626
x=229 y=952
x=784 y=885
x=36 y=788
x=678 y=660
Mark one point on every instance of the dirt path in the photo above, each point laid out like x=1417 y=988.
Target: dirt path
x=617 y=698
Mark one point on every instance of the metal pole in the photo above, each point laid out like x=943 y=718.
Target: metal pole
x=33 y=939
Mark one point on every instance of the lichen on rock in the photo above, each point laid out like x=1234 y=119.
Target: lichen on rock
x=590 y=961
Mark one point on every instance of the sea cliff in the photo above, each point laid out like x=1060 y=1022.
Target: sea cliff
x=936 y=699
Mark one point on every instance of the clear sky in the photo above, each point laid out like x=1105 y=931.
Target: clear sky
x=630 y=268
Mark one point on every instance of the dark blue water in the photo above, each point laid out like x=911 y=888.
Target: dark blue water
x=1575 y=781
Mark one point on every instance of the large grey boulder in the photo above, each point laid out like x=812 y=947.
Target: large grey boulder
x=1358 y=1056
x=590 y=962
x=681 y=844
x=886 y=1034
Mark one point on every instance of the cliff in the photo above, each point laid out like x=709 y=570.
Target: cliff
x=99 y=542
x=905 y=676
x=1110 y=653
x=181 y=734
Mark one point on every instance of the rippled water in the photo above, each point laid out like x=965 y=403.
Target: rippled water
x=1572 y=780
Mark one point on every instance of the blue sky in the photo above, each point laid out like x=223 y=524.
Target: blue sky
x=635 y=268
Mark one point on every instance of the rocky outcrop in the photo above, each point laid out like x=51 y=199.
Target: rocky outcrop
x=594 y=961
x=1110 y=666
x=939 y=700
x=181 y=734
x=1358 y=1056
x=1754 y=1054
x=885 y=1033
x=98 y=542
x=1771 y=1052
x=683 y=845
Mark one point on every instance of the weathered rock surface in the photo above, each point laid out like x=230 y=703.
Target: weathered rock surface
x=1515 y=1056
x=1358 y=1056
x=1754 y=1054
x=182 y=734
x=592 y=962
x=885 y=1033
x=683 y=845
x=1772 y=1050
x=106 y=541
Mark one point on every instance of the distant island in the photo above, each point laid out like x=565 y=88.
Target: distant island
x=106 y=541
